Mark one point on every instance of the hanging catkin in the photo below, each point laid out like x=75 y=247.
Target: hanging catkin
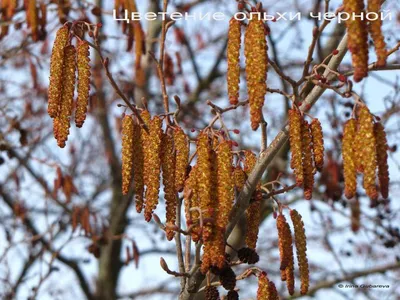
x=233 y=58
x=317 y=144
x=191 y=200
x=301 y=249
x=355 y=215
x=168 y=174
x=349 y=165
x=295 y=125
x=154 y=167
x=182 y=158
x=82 y=100
x=146 y=117
x=127 y=152
x=375 y=30
x=308 y=165
x=382 y=159
x=255 y=50
x=357 y=37
x=32 y=18
x=368 y=148
x=56 y=68
x=266 y=289
x=138 y=166
x=67 y=95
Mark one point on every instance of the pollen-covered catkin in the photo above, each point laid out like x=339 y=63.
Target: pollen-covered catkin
x=154 y=163
x=318 y=143
x=255 y=50
x=349 y=159
x=382 y=159
x=127 y=152
x=83 y=60
x=168 y=174
x=301 y=249
x=375 y=30
x=308 y=165
x=295 y=125
x=191 y=200
x=182 y=157
x=138 y=166
x=205 y=181
x=357 y=37
x=240 y=178
x=67 y=95
x=366 y=132
x=56 y=69
x=146 y=117
x=266 y=289
x=284 y=241
x=233 y=58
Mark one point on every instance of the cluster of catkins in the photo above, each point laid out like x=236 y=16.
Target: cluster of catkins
x=307 y=147
x=364 y=151
x=255 y=50
x=143 y=158
x=66 y=59
x=358 y=28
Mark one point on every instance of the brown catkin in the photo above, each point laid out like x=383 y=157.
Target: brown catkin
x=146 y=117
x=191 y=200
x=182 y=158
x=382 y=159
x=368 y=148
x=240 y=178
x=317 y=143
x=308 y=165
x=357 y=37
x=266 y=289
x=355 y=215
x=295 y=125
x=154 y=164
x=32 y=18
x=168 y=174
x=83 y=60
x=127 y=152
x=67 y=95
x=204 y=154
x=233 y=58
x=138 y=166
x=375 y=30
x=349 y=158
x=283 y=241
x=56 y=67
x=301 y=249
x=255 y=50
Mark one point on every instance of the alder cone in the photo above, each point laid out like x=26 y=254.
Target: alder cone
x=368 y=148
x=182 y=158
x=308 y=165
x=211 y=293
x=317 y=143
x=375 y=29
x=295 y=133
x=83 y=67
x=154 y=170
x=232 y=295
x=357 y=38
x=349 y=158
x=255 y=50
x=382 y=159
x=301 y=249
x=233 y=58
x=67 y=95
x=228 y=278
x=127 y=152
x=138 y=166
x=56 y=67
x=168 y=174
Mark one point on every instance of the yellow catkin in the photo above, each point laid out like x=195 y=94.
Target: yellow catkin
x=368 y=148
x=168 y=175
x=349 y=165
x=355 y=215
x=83 y=60
x=8 y=8
x=308 y=165
x=32 y=18
x=56 y=67
x=318 y=143
x=357 y=37
x=301 y=249
x=182 y=157
x=296 y=164
x=205 y=181
x=240 y=178
x=382 y=159
x=233 y=58
x=146 y=117
x=154 y=167
x=191 y=200
x=67 y=95
x=255 y=49
x=138 y=167
x=127 y=152
x=253 y=212
x=375 y=30
x=266 y=289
